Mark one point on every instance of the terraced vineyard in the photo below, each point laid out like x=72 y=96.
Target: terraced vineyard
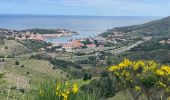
x=34 y=69
x=26 y=77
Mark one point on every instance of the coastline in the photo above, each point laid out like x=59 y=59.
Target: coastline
x=58 y=35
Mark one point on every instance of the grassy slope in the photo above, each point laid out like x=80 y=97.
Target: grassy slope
x=16 y=77
x=13 y=48
x=37 y=68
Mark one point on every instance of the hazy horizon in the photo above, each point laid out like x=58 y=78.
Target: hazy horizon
x=3 y=14
x=87 y=7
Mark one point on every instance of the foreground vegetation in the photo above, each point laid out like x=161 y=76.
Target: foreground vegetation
x=138 y=79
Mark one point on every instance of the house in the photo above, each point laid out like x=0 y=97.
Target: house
x=42 y=49
x=91 y=46
x=162 y=42
x=59 y=49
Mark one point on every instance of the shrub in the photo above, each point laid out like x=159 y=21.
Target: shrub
x=2 y=56
x=17 y=63
x=42 y=55
x=87 y=76
x=104 y=87
x=10 y=56
x=51 y=90
x=22 y=90
x=27 y=72
x=143 y=78
x=79 y=54
x=6 y=47
x=1 y=75
x=22 y=66
x=3 y=60
x=64 y=64
x=32 y=56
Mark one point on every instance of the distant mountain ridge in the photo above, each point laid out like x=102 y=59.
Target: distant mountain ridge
x=157 y=27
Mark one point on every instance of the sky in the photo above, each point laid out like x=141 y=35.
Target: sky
x=87 y=7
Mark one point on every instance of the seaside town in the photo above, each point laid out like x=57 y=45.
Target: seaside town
x=71 y=45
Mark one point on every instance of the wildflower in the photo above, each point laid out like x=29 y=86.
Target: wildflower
x=65 y=96
x=125 y=73
x=152 y=65
x=161 y=84
x=67 y=92
x=163 y=71
x=137 y=88
x=166 y=69
x=160 y=72
x=58 y=89
x=125 y=63
x=138 y=64
x=75 y=88
x=114 y=68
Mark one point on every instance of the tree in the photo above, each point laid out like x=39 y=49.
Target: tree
x=17 y=63
x=27 y=72
x=3 y=60
x=90 y=76
x=6 y=47
x=22 y=66
x=96 y=43
x=49 y=44
x=85 y=78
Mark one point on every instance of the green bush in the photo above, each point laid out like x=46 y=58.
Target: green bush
x=64 y=64
x=87 y=76
x=17 y=63
x=1 y=75
x=104 y=87
x=10 y=56
x=2 y=56
x=149 y=81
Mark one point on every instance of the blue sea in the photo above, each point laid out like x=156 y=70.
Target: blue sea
x=85 y=25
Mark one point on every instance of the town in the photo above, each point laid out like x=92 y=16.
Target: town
x=91 y=44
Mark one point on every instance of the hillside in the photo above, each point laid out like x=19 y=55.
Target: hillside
x=48 y=31
x=157 y=27
x=150 y=50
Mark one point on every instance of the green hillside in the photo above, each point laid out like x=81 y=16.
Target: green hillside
x=157 y=27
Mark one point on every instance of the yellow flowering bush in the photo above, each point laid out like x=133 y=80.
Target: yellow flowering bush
x=61 y=90
x=66 y=90
x=142 y=77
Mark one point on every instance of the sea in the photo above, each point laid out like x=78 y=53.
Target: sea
x=86 y=26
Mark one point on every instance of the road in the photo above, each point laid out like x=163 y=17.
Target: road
x=114 y=51
x=126 y=48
